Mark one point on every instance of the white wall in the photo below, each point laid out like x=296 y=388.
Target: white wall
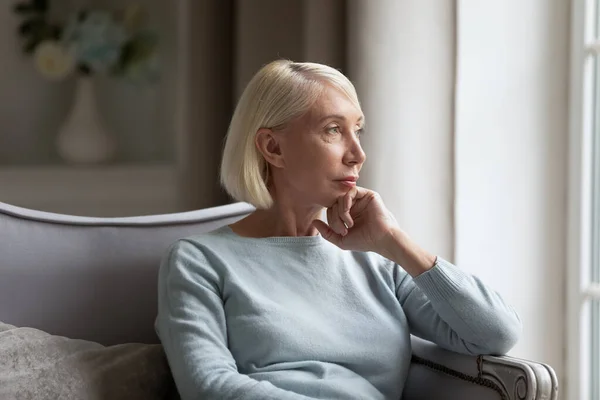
x=511 y=136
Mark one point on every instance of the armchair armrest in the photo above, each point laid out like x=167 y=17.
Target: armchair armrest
x=436 y=373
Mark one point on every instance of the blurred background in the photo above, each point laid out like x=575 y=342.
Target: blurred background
x=469 y=126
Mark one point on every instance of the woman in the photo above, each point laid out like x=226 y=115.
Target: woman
x=281 y=305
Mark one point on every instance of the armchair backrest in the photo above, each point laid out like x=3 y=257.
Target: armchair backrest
x=91 y=278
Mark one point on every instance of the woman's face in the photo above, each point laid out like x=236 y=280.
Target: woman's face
x=321 y=151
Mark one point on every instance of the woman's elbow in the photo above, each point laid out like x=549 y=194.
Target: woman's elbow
x=504 y=337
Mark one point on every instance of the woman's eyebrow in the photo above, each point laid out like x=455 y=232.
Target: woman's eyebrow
x=339 y=116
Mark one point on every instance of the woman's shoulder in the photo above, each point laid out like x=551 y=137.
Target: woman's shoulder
x=201 y=244
x=198 y=253
x=214 y=237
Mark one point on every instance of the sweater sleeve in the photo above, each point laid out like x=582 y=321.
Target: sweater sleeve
x=455 y=310
x=192 y=327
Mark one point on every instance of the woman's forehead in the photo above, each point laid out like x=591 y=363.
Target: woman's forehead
x=335 y=104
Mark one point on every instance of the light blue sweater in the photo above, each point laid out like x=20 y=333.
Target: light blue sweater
x=298 y=318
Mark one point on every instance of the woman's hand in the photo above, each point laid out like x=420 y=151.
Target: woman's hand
x=360 y=221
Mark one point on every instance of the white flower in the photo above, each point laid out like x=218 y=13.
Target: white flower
x=53 y=60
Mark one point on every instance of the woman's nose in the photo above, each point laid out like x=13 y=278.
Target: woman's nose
x=355 y=154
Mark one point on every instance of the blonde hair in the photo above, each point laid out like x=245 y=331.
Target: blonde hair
x=279 y=92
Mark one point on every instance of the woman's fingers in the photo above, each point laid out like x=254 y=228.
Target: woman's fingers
x=328 y=233
x=339 y=217
x=359 y=193
x=344 y=205
x=335 y=221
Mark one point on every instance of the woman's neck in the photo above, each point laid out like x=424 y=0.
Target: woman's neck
x=279 y=221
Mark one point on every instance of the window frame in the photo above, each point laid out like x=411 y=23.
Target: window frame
x=582 y=85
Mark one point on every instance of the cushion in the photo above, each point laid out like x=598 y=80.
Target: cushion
x=38 y=365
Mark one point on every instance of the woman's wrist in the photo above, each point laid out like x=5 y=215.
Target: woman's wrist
x=398 y=247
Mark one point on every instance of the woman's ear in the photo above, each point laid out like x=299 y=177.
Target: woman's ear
x=268 y=143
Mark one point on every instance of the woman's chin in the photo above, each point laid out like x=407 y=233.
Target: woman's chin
x=331 y=198
x=326 y=198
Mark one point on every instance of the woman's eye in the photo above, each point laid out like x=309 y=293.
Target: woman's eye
x=359 y=132
x=333 y=130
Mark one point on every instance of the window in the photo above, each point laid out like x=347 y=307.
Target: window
x=592 y=289
x=583 y=263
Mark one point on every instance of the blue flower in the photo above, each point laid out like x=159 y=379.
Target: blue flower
x=96 y=39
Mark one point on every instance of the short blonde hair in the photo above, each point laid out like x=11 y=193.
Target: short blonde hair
x=279 y=92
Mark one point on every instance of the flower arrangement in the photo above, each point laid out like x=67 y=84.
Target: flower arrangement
x=90 y=41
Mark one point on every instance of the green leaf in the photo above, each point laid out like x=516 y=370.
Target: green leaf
x=29 y=25
x=55 y=32
x=126 y=55
x=40 y=5
x=84 y=69
x=139 y=48
x=82 y=15
x=30 y=45
x=23 y=8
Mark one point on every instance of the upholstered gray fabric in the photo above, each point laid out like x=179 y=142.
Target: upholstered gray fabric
x=90 y=278
x=95 y=279
x=35 y=365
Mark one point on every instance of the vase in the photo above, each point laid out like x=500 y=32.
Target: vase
x=83 y=137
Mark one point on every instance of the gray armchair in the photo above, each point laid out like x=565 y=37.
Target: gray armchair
x=109 y=266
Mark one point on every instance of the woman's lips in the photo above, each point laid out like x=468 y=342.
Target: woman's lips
x=349 y=182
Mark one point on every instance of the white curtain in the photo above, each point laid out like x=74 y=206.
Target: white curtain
x=511 y=150
x=401 y=59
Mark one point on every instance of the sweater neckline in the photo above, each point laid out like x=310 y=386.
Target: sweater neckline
x=279 y=240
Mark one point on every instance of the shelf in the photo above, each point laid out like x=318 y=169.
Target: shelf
x=119 y=190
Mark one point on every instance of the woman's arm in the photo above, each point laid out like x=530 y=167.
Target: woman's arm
x=192 y=329
x=442 y=303
x=448 y=306
x=398 y=247
x=457 y=311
